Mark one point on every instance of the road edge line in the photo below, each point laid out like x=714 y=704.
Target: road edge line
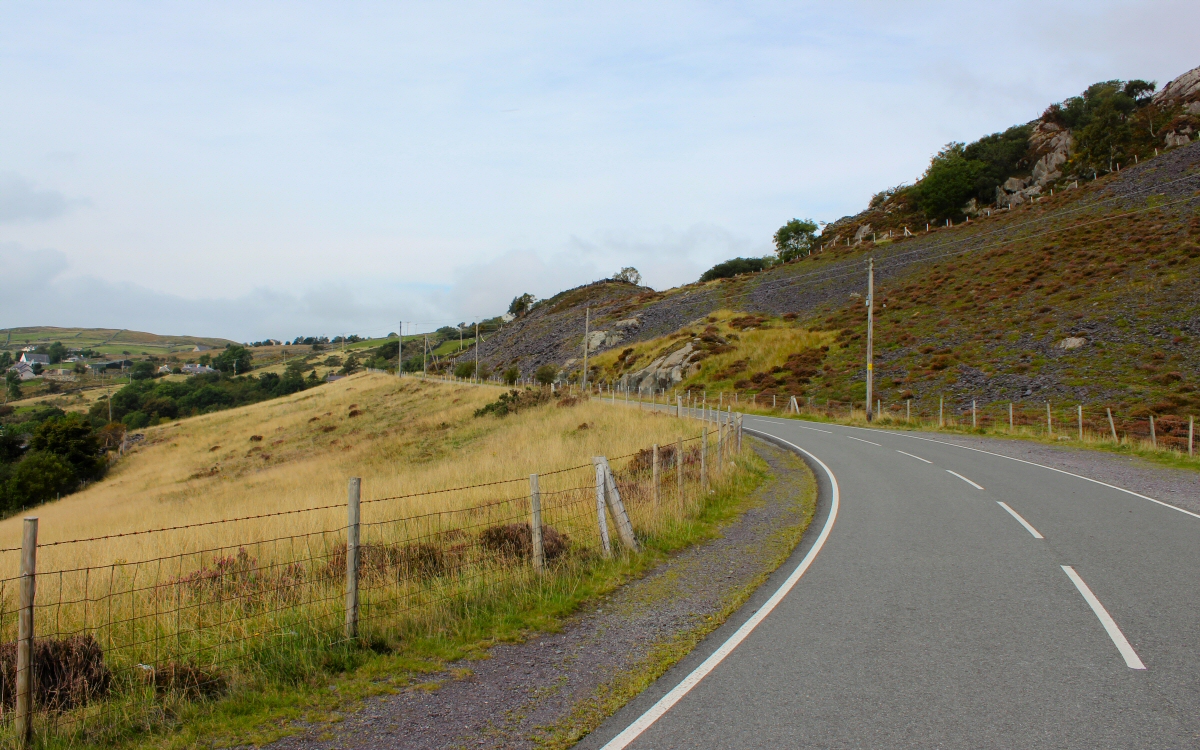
x=665 y=703
x=1132 y=660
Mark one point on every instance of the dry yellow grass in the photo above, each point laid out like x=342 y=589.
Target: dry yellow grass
x=409 y=436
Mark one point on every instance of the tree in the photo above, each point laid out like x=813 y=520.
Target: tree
x=57 y=352
x=351 y=364
x=37 y=368
x=795 y=239
x=464 y=369
x=546 y=374
x=949 y=183
x=236 y=359
x=520 y=305
x=511 y=375
x=628 y=274
x=735 y=267
x=39 y=477
x=142 y=371
x=12 y=382
x=72 y=439
x=6 y=360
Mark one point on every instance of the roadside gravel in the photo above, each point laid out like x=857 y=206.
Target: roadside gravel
x=553 y=688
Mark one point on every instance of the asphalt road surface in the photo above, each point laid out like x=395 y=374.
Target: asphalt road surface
x=946 y=597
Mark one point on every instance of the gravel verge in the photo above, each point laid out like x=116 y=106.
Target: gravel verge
x=553 y=688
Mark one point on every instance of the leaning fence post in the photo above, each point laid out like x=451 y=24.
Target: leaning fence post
x=352 y=518
x=601 y=516
x=28 y=591
x=613 y=496
x=1112 y=426
x=654 y=465
x=535 y=524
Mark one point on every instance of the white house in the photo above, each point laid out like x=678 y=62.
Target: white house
x=202 y=348
x=193 y=369
x=30 y=358
x=165 y=370
x=24 y=371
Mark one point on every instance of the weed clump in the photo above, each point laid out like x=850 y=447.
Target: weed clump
x=68 y=672
x=515 y=540
x=418 y=560
x=187 y=680
x=514 y=401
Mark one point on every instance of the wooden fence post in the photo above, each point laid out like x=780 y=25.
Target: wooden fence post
x=941 y=411
x=1112 y=426
x=613 y=497
x=655 y=479
x=1191 y=433
x=27 y=593
x=601 y=516
x=352 y=528
x=1080 y=414
x=679 y=466
x=535 y=524
x=678 y=406
x=907 y=410
x=739 y=434
x=1010 y=416
x=1153 y=437
x=973 y=422
x=704 y=463
x=1049 y=421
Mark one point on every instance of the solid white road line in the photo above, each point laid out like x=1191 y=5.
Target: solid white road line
x=1022 y=521
x=916 y=457
x=968 y=481
x=665 y=703
x=863 y=441
x=792 y=422
x=1044 y=466
x=1131 y=658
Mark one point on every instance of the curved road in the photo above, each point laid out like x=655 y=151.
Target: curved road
x=945 y=597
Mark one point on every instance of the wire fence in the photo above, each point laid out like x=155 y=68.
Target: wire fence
x=87 y=649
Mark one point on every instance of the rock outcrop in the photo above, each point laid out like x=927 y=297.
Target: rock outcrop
x=664 y=372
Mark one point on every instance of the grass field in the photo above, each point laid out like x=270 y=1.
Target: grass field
x=150 y=598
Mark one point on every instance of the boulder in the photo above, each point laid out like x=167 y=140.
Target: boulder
x=861 y=232
x=1184 y=89
x=663 y=372
x=1073 y=342
x=1173 y=139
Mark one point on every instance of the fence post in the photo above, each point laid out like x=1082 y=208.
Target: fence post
x=973 y=424
x=1153 y=437
x=739 y=434
x=678 y=406
x=601 y=516
x=25 y=675
x=535 y=524
x=1010 y=416
x=941 y=411
x=352 y=527
x=704 y=463
x=907 y=410
x=679 y=466
x=654 y=466
x=613 y=496
x=1112 y=426
x=1080 y=408
x=1191 y=433
x=1049 y=423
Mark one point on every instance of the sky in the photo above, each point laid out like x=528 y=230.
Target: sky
x=267 y=169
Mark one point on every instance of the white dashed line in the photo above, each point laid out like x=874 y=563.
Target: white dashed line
x=864 y=441
x=968 y=481
x=1118 y=638
x=916 y=457
x=1022 y=521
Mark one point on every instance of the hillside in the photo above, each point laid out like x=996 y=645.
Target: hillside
x=106 y=340
x=979 y=307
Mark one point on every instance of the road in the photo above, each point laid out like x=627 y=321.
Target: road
x=947 y=598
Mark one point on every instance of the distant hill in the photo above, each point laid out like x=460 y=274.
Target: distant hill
x=106 y=340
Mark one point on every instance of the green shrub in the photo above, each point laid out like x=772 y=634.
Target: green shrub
x=72 y=439
x=511 y=375
x=41 y=476
x=546 y=374
x=735 y=267
x=464 y=369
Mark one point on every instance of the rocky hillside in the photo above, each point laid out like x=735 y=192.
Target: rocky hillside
x=1064 y=287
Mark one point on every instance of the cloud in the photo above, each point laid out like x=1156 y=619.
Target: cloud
x=21 y=201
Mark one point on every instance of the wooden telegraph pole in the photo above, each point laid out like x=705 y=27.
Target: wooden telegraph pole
x=477 y=379
x=587 y=324
x=870 y=333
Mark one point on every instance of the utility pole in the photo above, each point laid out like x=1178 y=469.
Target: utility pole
x=424 y=355
x=870 y=333
x=400 y=351
x=587 y=323
x=477 y=351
